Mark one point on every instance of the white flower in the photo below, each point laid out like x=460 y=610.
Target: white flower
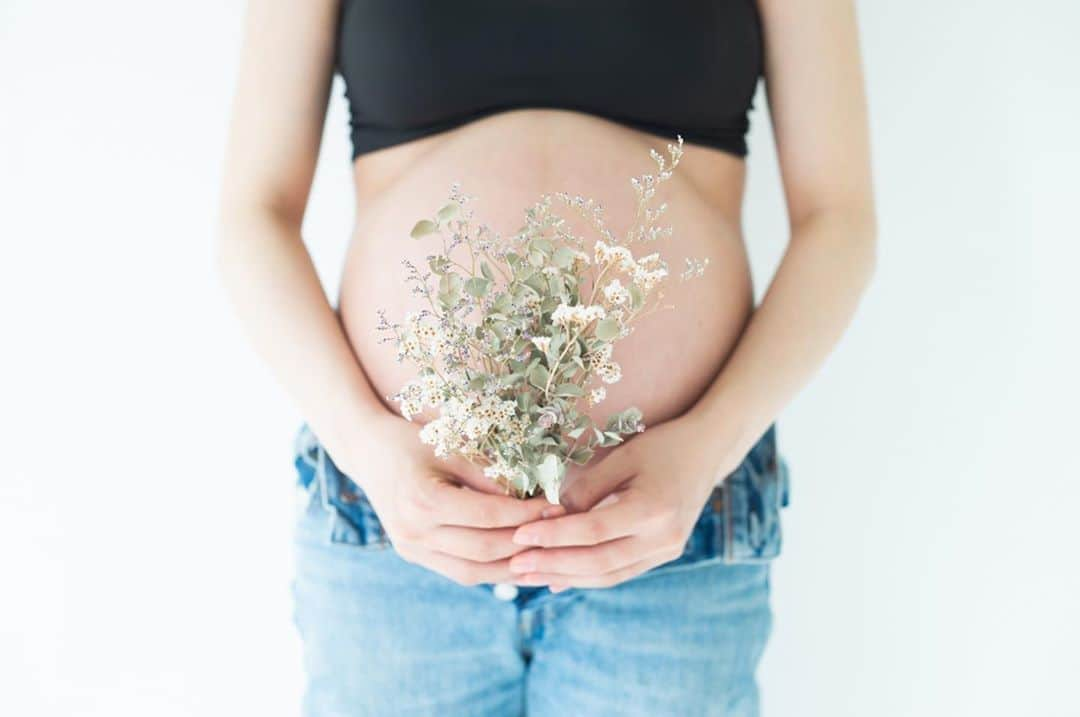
x=410 y=346
x=600 y=252
x=597 y=395
x=609 y=371
x=646 y=279
x=566 y=315
x=432 y=390
x=614 y=252
x=411 y=407
x=624 y=258
x=649 y=260
x=616 y=293
x=438 y=434
x=542 y=342
x=600 y=355
x=476 y=427
x=579 y=262
x=442 y=343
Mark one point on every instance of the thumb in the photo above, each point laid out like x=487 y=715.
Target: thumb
x=596 y=483
x=470 y=474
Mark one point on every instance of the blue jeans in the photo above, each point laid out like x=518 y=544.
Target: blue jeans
x=383 y=636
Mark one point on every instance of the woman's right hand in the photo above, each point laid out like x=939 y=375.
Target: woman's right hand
x=443 y=514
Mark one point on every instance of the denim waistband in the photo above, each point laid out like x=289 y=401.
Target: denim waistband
x=739 y=523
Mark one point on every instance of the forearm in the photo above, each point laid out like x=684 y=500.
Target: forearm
x=809 y=304
x=281 y=304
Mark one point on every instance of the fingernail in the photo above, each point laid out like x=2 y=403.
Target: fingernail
x=552 y=512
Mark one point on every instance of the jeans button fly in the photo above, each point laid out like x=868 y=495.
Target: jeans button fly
x=505 y=591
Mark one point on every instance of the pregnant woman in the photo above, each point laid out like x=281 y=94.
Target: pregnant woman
x=421 y=588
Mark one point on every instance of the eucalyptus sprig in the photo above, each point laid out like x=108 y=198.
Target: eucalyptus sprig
x=518 y=332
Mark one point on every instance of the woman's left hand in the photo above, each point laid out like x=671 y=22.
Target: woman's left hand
x=633 y=511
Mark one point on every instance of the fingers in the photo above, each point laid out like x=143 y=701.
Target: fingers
x=479 y=544
x=560 y=582
x=467 y=473
x=452 y=505
x=618 y=518
x=579 y=560
x=462 y=571
x=595 y=483
x=592 y=560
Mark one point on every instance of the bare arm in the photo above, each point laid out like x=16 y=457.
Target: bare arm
x=659 y=480
x=278 y=112
x=277 y=121
x=814 y=84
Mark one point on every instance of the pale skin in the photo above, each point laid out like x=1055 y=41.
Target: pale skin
x=634 y=508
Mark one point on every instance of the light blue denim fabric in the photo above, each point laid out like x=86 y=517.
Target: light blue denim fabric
x=383 y=636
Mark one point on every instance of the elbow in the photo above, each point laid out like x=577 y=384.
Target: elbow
x=236 y=230
x=227 y=240
x=247 y=237
x=866 y=237
x=848 y=233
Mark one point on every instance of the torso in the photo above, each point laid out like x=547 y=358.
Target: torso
x=507 y=161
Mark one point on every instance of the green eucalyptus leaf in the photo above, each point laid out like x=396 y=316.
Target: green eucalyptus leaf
x=423 y=228
x=524 y=402
x=543 y=245
x=569 y=389
x=438 y=265
x=624 y=421
x=556 y=345
x=607 y=329
x=538 y=375
x=536 y=282
x=562 y=257
x=549 y=474
x=581 y=456
x=448 y=211
x=477 y=286
x=485 y=269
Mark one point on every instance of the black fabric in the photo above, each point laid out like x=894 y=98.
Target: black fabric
x=417 y=67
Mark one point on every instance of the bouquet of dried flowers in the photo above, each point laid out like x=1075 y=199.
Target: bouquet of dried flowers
x=519 y=331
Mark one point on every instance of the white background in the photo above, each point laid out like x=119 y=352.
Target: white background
x=146 y=495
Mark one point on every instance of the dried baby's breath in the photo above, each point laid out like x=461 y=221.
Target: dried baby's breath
x=519 y=331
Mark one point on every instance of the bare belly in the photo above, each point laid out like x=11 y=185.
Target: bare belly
x=507 y=161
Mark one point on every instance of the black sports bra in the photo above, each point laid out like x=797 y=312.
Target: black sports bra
x=418 y=67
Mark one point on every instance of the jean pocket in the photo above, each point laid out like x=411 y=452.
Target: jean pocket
x=333 y=508
x=740 y=521
x=749 y=524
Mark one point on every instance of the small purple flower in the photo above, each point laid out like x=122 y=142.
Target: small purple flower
x=548 y=417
